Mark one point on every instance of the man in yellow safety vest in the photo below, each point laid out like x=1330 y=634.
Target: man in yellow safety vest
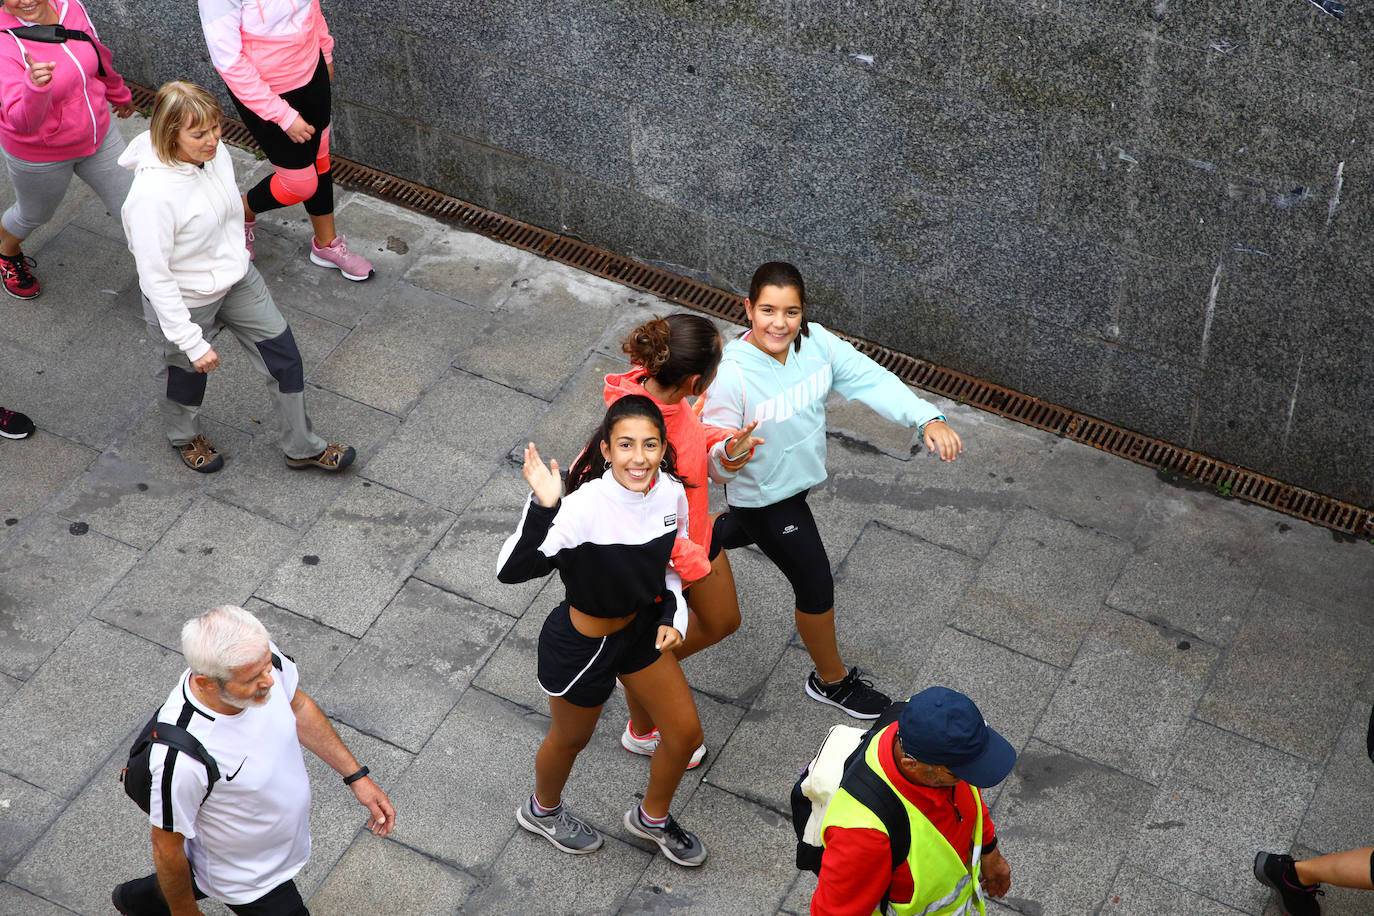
x=934 y=758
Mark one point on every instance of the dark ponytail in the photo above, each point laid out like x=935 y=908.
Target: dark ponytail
x=589 y=464
x=675 y=348
x=786 y=276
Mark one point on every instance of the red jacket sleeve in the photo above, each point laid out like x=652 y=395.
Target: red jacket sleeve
x=855 y=872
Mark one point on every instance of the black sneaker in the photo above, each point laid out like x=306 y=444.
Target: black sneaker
x=855 y=695
x=1276 y=870
x=14 y=425
x=681 y=846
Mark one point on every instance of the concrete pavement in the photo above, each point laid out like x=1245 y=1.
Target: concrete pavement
x=1185 y=677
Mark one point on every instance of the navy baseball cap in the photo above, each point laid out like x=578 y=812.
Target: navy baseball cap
x=942 y=727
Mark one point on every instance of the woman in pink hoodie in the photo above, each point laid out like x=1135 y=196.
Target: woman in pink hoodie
x=277 y=58
x=56 y=91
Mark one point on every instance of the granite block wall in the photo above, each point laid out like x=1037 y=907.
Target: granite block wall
x=1154 y=211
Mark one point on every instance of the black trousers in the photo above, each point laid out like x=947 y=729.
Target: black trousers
x=143 y=897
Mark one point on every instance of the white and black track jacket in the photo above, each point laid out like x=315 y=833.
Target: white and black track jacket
x=611 y=546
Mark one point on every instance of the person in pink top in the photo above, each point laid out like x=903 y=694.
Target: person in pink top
x=277 y=59
x=56 y=91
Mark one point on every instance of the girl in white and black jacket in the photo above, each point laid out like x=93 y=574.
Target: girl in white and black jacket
x=618 y=540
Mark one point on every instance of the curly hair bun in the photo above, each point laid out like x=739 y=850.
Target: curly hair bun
x=648 y=345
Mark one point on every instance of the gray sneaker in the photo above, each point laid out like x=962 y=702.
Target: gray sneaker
x=562 y=829
x=681 y=846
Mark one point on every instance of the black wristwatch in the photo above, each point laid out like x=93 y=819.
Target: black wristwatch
x=349 y=780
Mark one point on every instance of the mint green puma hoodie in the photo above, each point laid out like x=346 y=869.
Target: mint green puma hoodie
x=788 y=400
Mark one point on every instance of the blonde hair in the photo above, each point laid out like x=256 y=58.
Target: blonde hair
x=180 y=103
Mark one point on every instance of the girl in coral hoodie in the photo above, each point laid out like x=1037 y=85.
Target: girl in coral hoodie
x=277 y=58
x=55 y=100
x=675 y=358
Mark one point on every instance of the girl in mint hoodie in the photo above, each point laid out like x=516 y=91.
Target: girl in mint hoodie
x=779 y=375
x=55 y=101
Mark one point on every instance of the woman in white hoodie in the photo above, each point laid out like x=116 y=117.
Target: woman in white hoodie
x=183 y=218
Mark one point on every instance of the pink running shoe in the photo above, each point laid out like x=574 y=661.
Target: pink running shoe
x=336 y=254
x=15 y=275
x=250 y=227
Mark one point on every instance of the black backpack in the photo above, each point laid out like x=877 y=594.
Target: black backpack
x=868 y=788
x=137 y=775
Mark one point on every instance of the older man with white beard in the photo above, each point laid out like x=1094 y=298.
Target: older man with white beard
x=244 y=841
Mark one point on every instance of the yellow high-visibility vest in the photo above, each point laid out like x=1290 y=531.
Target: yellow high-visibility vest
x=944 y=886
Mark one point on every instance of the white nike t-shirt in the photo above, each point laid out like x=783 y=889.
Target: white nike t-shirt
x=253 y=831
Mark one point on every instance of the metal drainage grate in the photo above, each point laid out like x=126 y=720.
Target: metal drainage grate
x=1226 y=479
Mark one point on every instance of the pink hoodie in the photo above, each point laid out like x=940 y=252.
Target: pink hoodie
x=67 y=118
x=263 y=48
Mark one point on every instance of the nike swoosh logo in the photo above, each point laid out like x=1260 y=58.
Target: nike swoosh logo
x=230 y=778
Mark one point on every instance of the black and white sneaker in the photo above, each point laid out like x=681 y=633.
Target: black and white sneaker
x=14 y=425
x=679 y=845
x=855 y=695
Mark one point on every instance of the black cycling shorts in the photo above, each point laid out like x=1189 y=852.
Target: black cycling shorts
x=786 y=533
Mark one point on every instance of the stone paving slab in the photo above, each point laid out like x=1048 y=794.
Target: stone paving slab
x=1290 y=676
x=1212 y=815
x=426 y=645
x=1094 y=488
x=355 y=557
x=462 y=790
x=1127 y=698
x=545 y=329
x=1011 y=689
x=256 y=477
x=17 y=902
x=135 y=490
x=1346 y=786
x=743 y=840
x=1041 y=586
x=1084 y=816
x=470 y=268
x=1053 y=584
x=53 y=577
x=1196 y=566
x=214 y=554
x=363 y=882
x=464 y=562
x=25 y=812
x=531 y=876
x=399 y=348
x=435 y=454
x=42 y=466
x=1137 y=894
x=903 y=577
x=99 y=683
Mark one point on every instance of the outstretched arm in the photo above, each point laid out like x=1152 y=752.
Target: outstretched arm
x=318 y=736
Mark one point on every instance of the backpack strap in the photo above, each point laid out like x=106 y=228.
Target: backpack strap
x=56 y=35
x=177 y=738
x=869 y=789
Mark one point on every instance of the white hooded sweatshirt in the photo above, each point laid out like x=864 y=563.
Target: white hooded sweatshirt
x=184 y=224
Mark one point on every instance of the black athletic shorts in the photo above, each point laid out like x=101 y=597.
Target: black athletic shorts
x=786 y=533
x=582 y=669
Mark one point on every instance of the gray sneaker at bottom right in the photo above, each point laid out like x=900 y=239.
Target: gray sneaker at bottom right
x=564 y=830
x=679 y=845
